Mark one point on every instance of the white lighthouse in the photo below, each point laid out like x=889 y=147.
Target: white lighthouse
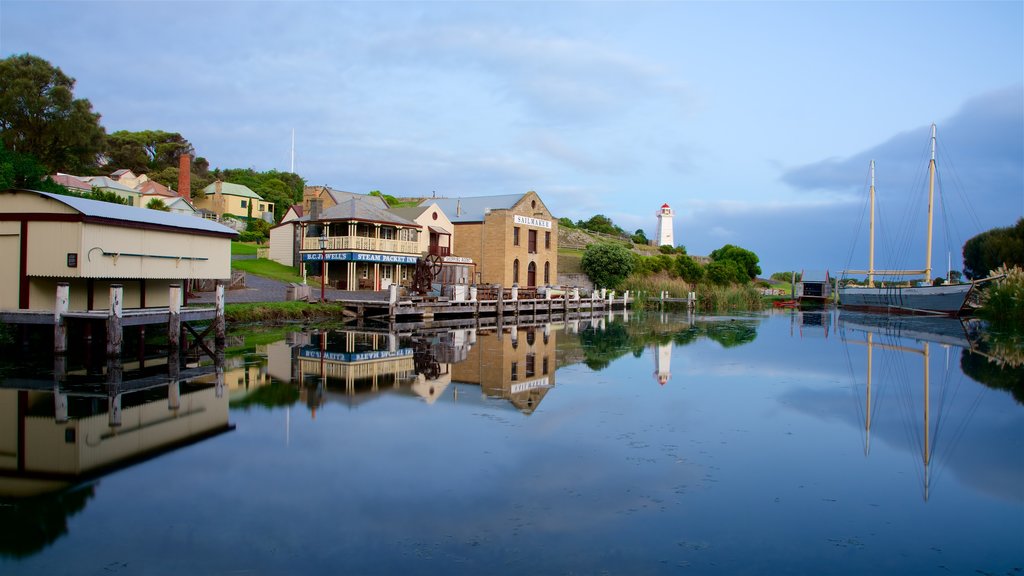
x=662 y=363
x=665 y=226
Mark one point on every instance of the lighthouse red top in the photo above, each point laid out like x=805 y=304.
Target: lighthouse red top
x=664 y=205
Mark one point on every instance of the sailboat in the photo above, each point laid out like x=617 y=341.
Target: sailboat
x=941 y=299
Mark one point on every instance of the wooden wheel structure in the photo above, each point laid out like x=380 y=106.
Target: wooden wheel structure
x=428 y=268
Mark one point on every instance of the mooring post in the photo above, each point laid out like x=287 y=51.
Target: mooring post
x=173 y=379
x=218 y=362
x=174 y=317
x=219 y=324
x=114 y=378
x=114 y=334
x=500 y=304
x=60 y=308
x=60 y=398
x=625 y=299
x=392 y=301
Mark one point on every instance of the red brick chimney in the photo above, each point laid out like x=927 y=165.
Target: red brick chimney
x=185 y=176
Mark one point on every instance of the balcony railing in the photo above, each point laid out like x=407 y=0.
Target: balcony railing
x=362 y=243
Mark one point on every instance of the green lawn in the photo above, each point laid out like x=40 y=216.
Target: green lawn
x=268 y=269
x=243 y=249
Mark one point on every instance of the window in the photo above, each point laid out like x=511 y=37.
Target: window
x=386 y=272
x=515 y=271
x=532 y=246
x=547 y=240
x=515 y=236
x=531 y=337
x=244 y=203
x=515 y=371
x=263 y=208
x=547 y=273
x=531 y=365
x=545 y=365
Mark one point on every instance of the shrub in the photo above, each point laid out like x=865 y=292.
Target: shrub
x=607 y=264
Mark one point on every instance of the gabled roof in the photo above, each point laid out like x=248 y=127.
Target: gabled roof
x=341 y=196
x=133 y=216
x=358 y=209
x=152 y=188
x=473 y=209
x=105 y=182
x=118 y=173
x=230 y=189
x=814 y=276
x=297 y=209
x=72 y=182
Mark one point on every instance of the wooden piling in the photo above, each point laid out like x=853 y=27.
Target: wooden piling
x=114 y=331
x=60 y=329
x=218 y=321
x=174 y=317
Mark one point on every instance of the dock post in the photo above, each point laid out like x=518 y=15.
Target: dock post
x=218 y=362
x=173 y=379
x=500 y=306
x=219 y=325
x=60 y=329
x=114 y=378
x=625 y=299
x=174 y=317
x=60 y=398
x=392 y=301
x=114 y=334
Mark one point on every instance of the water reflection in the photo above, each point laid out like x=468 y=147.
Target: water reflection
x=60 y=434
x=548 y=448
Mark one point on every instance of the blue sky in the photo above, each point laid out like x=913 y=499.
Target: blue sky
x=755 y=121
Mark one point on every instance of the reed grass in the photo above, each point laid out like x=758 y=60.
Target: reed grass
x=710 y=297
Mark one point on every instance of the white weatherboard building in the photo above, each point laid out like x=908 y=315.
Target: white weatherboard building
x=665 y=226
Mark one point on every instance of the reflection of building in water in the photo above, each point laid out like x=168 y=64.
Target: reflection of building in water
x=353 y=363
x=518 y=366
x=663 y=362
x=54 y=436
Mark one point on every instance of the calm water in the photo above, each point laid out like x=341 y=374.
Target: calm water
x=653 y=445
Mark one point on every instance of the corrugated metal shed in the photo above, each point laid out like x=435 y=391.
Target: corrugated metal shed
x=109 y=210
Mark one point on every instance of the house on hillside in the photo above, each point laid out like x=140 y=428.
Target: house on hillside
x=235 y=199
x=437 y=235
x=72 y=183
x=107 y=184
x=172 y=201
x=49 y=238
x=513 y=239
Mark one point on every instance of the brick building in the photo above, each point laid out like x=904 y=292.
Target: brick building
x=513 y=238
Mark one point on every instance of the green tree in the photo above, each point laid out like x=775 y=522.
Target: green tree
x=785 y=276
x=601 y=223
x=689 y=269
x=607 y=264
x=157 y=204
x=145 y=151
x=745 y=259
x=640 y=237
x=994 y=248
x=565 y=223
x=724 y=272
x=40 y=116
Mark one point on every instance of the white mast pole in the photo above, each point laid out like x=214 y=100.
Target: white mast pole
x=931 y=195
x=871 y=226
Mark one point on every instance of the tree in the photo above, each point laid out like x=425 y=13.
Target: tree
x=601 y=223
x=145 y=151
x=565 y=223
x=607 y=264
x=157 y=204
x=745 y=259
x=639 y=237
x=724 y=272
x=689 y=269
x=994 y=248
x=39 y=116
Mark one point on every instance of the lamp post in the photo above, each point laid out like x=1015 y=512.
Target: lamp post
x=323 y=262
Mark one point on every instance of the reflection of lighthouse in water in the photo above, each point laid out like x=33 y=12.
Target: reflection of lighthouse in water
x=662 y=363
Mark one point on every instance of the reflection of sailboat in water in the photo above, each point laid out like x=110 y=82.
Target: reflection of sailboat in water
x=891 y=340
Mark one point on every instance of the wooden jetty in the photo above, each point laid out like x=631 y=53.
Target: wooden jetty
x=177 y=319
x=488 y=305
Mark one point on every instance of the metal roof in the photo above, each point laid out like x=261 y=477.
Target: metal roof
x=109 y=210
x=360 y=209
x=231 y=190
x=105 y=182
x=475 y=208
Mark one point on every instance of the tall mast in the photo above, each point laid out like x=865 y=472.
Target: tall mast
x=927 y=417
x=931 y=195
x=871 y=226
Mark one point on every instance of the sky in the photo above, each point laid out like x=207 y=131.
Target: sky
x=754 y=121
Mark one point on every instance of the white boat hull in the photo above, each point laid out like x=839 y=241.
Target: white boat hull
x=943 y=299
